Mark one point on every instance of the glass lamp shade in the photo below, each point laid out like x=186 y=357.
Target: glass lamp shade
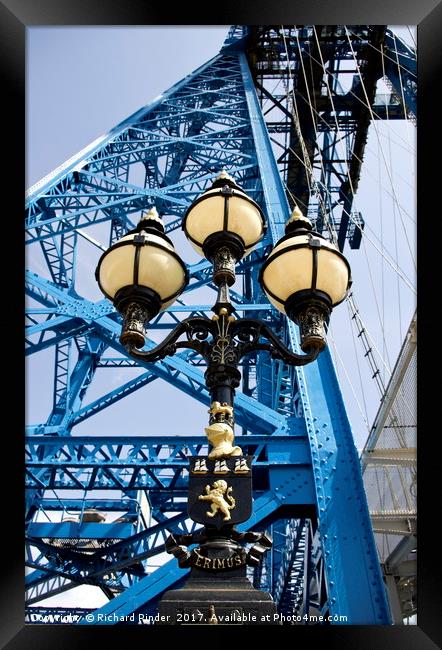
x=305 y=265
x=143 y=260
x=226 y=210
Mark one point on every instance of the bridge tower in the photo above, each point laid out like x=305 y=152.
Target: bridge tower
x=308 y=489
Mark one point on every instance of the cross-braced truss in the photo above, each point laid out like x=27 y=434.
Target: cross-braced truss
x=307 y=481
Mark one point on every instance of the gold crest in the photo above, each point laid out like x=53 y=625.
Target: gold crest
x=220 y=435
x=215 y=494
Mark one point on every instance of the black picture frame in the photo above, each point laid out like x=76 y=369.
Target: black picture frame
x=15 y=17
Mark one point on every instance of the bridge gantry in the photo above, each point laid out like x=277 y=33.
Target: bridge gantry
x=308 y=487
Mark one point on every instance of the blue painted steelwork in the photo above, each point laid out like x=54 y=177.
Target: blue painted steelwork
x=401 y=71
x=109 y=505
x=294 y=421
x=52 y=584
x=174 y=370
x=69 y=530
x=124 y=462
x=289 y=543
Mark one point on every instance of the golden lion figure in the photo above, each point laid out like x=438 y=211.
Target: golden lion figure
x=221 y=407
x=216 y=496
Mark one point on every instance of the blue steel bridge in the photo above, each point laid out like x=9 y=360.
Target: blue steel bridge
x=287 y=112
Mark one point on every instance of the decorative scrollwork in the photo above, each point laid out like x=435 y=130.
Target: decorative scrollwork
x=224 y=341
x=249 y=331
x=223 y=351
x=248 y=334
x=199 y=331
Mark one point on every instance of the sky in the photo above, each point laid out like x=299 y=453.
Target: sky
x=83 y=81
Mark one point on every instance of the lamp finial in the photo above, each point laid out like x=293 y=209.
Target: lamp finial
x=151 y=214
x=297 y=221
x=224 y=176
x=151 y=219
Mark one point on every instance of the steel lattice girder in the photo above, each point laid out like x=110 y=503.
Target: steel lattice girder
x=93 y=563
x=174 y=370
x=209 y=120
x=154 y=463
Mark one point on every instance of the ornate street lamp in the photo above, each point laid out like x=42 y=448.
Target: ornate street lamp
x=304 y=277
x=142 y=275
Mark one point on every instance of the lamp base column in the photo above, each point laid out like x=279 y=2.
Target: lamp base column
x=226 y=599
x=218 y=590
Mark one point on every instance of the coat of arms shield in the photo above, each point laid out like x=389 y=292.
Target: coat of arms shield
x=220 y=491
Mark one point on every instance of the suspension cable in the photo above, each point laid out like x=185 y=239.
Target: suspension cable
x=366 y=343
x=381 y=321
x=378 y=50
x=362 y=332
x=364 y=233
x=338 y=356
x=377 y=134
x=359 y=373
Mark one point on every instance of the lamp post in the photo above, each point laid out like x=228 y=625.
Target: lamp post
x=304 y=277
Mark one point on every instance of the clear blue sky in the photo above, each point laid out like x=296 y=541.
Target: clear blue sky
x=83 y=81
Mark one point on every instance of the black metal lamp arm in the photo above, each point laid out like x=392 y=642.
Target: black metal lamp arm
x=244 y=335
x=249 y=330
x=197 y=330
